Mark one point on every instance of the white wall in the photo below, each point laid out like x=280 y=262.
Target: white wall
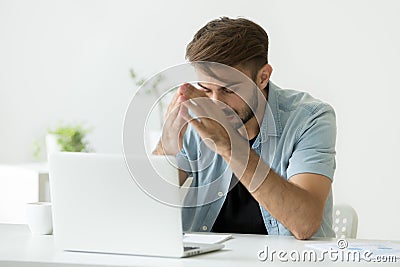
x=70 y=60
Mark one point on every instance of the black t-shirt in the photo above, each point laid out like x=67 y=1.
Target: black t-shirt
x=240 y=212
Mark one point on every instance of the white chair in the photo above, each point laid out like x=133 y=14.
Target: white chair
x=345 y=221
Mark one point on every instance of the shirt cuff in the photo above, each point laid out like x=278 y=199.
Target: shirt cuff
x=316 y=168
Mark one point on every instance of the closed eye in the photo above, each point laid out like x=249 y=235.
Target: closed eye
x=225 y=89
x=229 y=91
x=202 y=88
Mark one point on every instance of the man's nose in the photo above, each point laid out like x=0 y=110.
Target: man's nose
x=218 y=100
x=216 y=96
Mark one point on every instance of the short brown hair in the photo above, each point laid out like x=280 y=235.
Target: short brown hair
x=233 y=42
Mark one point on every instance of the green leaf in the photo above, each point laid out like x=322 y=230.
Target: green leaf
x=36 y=150
x=71 y=138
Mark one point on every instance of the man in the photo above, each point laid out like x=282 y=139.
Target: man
x=292 y=193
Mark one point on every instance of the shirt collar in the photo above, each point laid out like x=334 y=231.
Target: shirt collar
x=270 y=125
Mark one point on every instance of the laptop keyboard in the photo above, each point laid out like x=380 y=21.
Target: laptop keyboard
x=189 y=248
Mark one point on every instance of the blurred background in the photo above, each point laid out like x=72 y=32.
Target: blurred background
x=70 y=61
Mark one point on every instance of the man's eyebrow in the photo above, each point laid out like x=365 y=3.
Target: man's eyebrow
x=221 y=87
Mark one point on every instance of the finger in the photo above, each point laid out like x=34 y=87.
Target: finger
x=190 y=91
x=176 y=96
x=181 y=99
x=201 y=114
x=173 y=108
x=197 y=109
x=205 y=107
x=195 y=122
x=183 y=112
x=172 y=114
x=176 y=100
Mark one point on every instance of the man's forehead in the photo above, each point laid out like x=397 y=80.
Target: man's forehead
x=209 y=85
x=221 y=76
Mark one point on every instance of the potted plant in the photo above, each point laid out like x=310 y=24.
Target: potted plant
x=71 y=138
x=67 y=137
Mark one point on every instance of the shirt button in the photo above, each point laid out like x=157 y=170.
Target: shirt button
x=220 y=194
x=205 y=228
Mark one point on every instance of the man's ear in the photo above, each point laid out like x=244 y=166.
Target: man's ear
x=263 y=76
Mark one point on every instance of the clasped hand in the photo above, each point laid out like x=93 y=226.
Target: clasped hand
x=206 y=116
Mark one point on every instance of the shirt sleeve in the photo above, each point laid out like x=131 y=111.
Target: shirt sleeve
x=183 y=162
x=314 y=150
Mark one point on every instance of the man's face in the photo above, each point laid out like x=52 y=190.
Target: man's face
x=237 y=94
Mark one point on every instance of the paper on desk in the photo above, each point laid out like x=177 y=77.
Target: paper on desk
x=376 y=248
x=205 y=238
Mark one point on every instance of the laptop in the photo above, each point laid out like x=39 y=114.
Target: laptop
x=98 y=207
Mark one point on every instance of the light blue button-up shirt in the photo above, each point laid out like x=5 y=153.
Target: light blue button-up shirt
x=297 y=135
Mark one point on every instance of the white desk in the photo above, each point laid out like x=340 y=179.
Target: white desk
x=19 y=248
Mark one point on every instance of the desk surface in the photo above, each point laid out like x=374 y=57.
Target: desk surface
x=39 y=167
x=18 y=247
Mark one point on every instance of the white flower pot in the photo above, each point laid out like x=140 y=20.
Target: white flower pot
x=52 y=144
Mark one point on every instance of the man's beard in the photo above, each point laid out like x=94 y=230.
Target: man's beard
x=246 y=113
